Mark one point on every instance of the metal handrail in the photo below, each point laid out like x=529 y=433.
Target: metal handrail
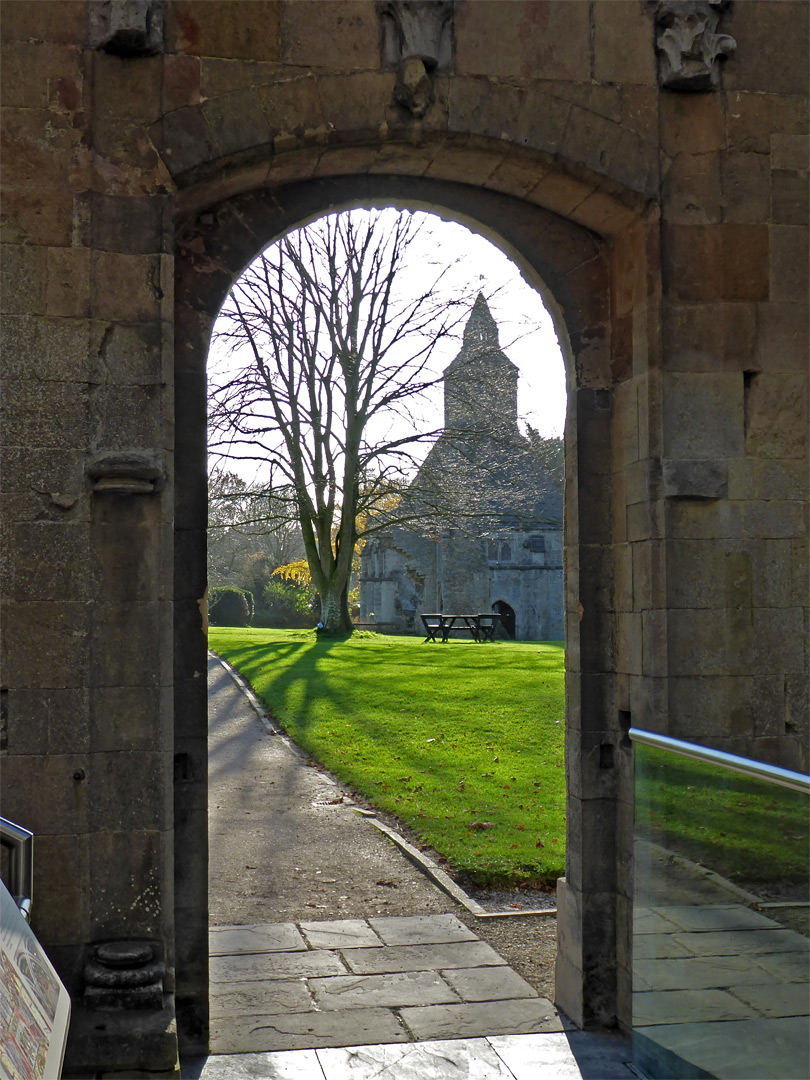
x=20 y=843
x=748 y=766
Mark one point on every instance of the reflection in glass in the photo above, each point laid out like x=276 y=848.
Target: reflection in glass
x=720 y=929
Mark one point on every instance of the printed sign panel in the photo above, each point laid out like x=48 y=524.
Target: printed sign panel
x=34 y=1005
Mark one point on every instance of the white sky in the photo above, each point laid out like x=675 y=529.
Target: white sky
x=527 y=334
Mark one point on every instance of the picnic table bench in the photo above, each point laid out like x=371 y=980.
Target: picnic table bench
x=481 y=626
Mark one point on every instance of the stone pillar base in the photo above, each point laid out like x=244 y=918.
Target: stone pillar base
x=124 y=1042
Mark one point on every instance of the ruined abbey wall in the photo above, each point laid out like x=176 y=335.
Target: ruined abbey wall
x=658 y=200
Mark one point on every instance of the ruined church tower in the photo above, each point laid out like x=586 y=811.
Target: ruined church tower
x=480 y=385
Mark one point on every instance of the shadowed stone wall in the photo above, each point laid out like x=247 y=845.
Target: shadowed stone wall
x=145 y=165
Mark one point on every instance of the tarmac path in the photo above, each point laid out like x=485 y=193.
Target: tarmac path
x=285 y=843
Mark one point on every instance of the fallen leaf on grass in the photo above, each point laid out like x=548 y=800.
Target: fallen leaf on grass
x=539 y=844
x=520 y=826
x=481 y=825
x=388 y=884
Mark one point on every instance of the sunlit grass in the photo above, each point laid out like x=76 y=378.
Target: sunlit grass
x=462 y=741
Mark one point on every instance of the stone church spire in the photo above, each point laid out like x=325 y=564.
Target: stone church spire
x=480 y=385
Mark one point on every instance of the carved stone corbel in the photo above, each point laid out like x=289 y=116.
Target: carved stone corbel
x=688 y=46
x=125 y=472
x=417 y=42
x=127 y=27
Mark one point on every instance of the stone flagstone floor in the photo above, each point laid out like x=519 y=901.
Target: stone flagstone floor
x=394 y=998
x=354 y=981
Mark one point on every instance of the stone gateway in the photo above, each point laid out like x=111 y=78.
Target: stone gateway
x=645 y=163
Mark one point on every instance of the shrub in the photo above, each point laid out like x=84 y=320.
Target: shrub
x=230 y=607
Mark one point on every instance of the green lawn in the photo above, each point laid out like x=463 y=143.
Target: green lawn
x=463 y=741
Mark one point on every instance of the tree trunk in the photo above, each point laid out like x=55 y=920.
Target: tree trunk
x=335 y=610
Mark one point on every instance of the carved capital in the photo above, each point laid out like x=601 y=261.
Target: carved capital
x=125 y=472
x=689 y=47
x=127 y=27
x=416 y=42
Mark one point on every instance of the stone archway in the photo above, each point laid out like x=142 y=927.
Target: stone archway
x=593 y=285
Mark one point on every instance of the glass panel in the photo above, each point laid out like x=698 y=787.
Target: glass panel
x=720 y=927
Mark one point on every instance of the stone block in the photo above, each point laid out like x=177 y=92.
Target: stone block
x=648 y=579
x=629 y=643
x=695 y=479
x=293 y=106
x=788 y=263
x=623 y=577
x=37 y=217
x=776 y=416
x=184 y=139
x=126 y=91
x=46 y=644
x=705 y=642
x=590 y=140
x=47 y=794
x=53 y=562
x=126 y=644
x=24 y=279
x=774 y=519
x=779 y=641
x=705 y=707
x=68 y=287
x=45 y=349
x=781 y=339
x=129 y=790
x=733 y=261
x=755 y=118
x=746 y=184
x=770 y=57
x=625 y=424
x=488 y=984
x=704 y=519
x=476 y=1019
x=355 y=103
x=130 y=416
x=60 y=886
x=125 y=287
x=126 y=891
x=654 y=642
x=692 y=123
x=768 y=706
x=240 y=30
x=708 y=337
x=697 y=572
x=321 y=34
x=237 y=121
x=703 y=415
x=34 y=73
x=48 y=721
x=463 y=165
x=621 y=44
x=789 y=152
x=536 y=39
x=789 y=194
x=127 y=717
x=691 y=190
x=182 y=81
x=133 y=225
x=528 y=115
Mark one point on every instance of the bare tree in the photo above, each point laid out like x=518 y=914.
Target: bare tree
x=334 y=355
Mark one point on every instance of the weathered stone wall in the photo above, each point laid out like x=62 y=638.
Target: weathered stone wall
x=668 y=231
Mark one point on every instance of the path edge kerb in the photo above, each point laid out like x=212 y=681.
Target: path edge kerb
x=421 y=861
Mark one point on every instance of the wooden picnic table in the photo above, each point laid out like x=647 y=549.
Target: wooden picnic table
x=481 y=626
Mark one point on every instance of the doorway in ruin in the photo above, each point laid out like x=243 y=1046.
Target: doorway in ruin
x=571 y=267
x=508 y=618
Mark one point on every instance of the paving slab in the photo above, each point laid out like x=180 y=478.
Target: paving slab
x=362 y=991
x=652 y=946
x=564 y=1056
x=340 y=934
x=743 y=1049
x=685 y=1006
x=421 y=930
x=454 y=954
x=478 y=1018
x=276 y=1065
x=771 y=999
x=261 y=998
x=488 y=984
x=651 y=921
x=255 y=938
x=717 y=917
x=695 y=973
x=741 y=942
x=229 y=969
x=297 y=1031
x=473 y=1059
x=784 y=967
